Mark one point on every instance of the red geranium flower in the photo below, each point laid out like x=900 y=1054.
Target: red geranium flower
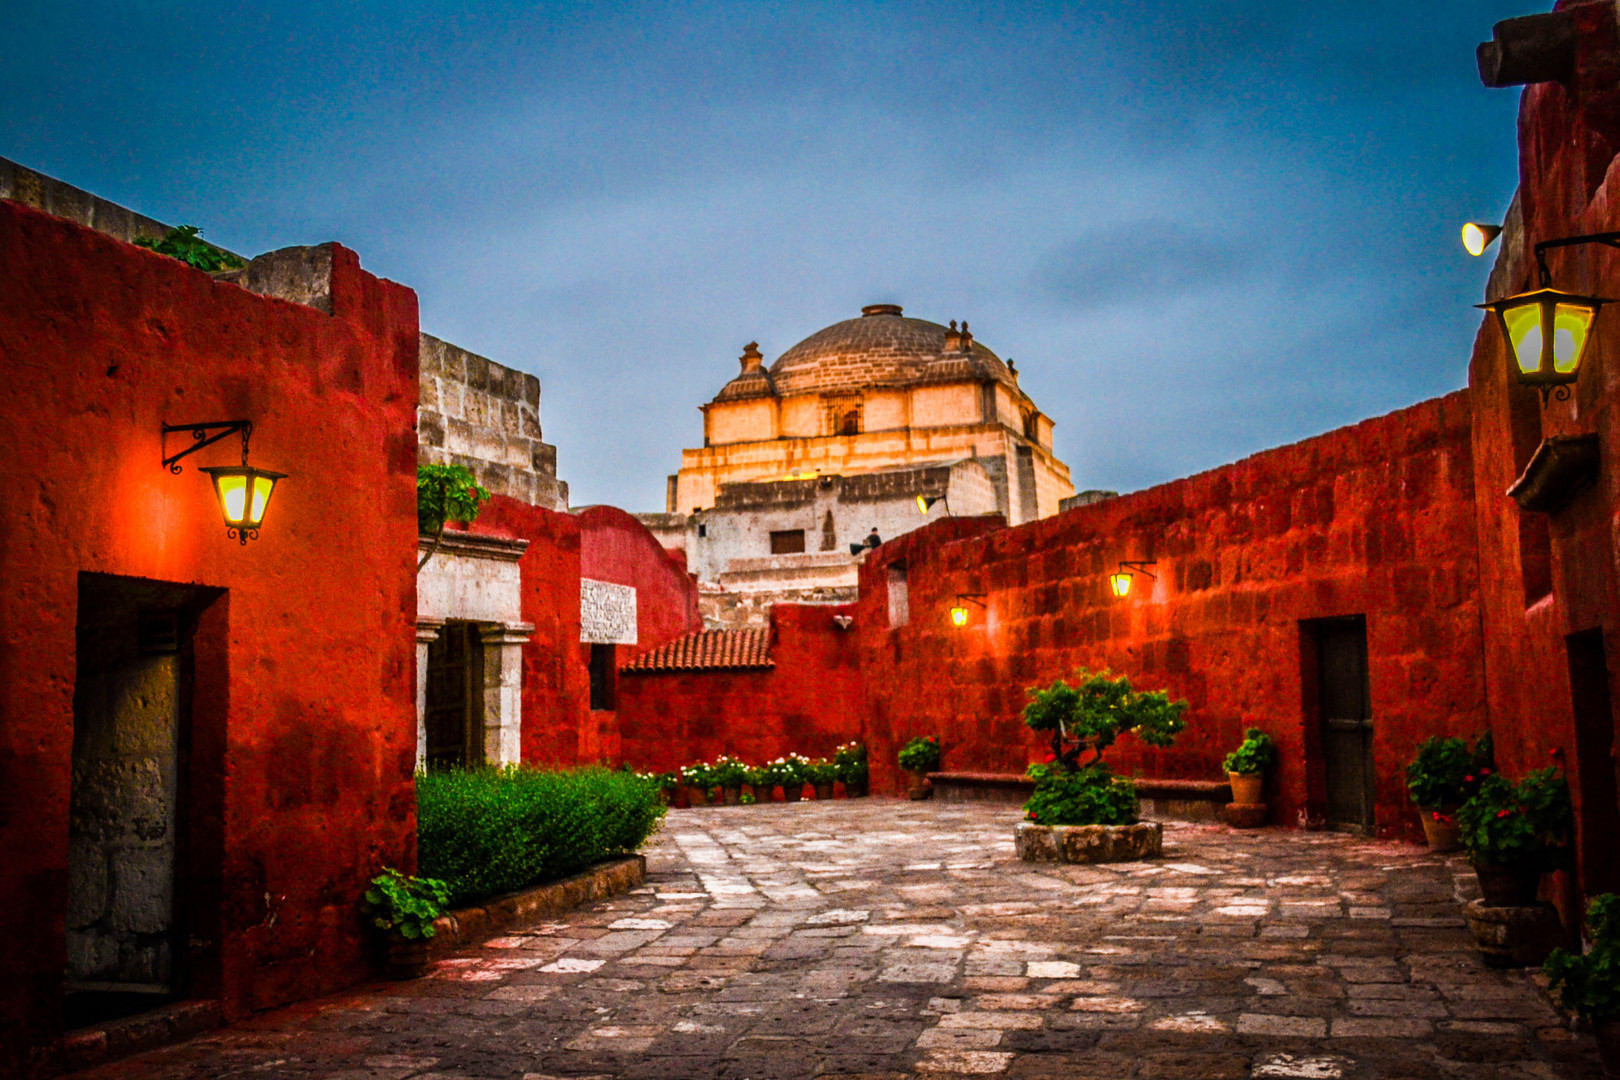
x=1503 y=813
x=1468 y=779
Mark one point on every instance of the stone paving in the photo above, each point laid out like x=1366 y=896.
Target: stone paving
x=875 y=938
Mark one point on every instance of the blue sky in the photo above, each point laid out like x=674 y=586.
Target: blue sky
x=1201 y=228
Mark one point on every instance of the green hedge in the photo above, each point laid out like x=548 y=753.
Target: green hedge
x=489 y=831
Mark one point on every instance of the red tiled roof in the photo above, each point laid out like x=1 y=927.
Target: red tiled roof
x=708 y=650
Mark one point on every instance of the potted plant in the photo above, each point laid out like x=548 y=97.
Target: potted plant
x=1444 y=775
x=794 y=774
x=699 y=781
x=822 y=773
x=729 y=774
x=1246 y=767
x=403 y=909
x=1589 y=985
x=1514 y=833
x=1082 y=812
x=759 y=784
x=918 y=758
x=778 y=772
x=853 y=772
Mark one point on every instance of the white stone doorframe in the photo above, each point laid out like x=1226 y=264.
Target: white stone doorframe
x=503 y=688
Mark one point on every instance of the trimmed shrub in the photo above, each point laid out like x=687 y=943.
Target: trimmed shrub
x=1091 y=796
x=489 y=831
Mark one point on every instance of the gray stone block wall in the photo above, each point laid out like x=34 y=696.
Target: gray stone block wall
x=486 y=416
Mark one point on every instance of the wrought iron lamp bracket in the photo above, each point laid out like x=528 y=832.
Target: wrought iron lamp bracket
x=971 y=597
x=1608 y=239
x=221 y=429
x=1140 y=568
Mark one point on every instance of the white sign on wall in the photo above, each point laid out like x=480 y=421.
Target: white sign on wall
x=607 y=613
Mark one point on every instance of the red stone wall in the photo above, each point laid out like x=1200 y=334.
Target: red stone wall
x=1546 y=577
x=809 y=703
x=617 y=548
x=1374 y=520
x=303 y=719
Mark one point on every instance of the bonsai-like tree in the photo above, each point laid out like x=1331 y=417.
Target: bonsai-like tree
x=445 y=493
x=1095 y=711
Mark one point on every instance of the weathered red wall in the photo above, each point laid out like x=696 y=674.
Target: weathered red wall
x=304 y=719
x=1568 y=134
x=556 y=687
x=809 y=703
x=617 y=548
x=1374 y=519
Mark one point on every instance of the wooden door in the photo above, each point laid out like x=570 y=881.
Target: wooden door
x=1345 y=709
x=454 y=716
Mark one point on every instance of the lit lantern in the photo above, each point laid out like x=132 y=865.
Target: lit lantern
x=959 y=616
x=244 y=494
x=1119 y=582
x=1547 y=331
x=243 y=491
x=959 y=613
x=1477 y=237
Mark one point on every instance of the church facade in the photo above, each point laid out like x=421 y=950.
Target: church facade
x=880 y=423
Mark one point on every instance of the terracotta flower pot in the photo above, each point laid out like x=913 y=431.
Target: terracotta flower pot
x=404 y=958
x=918 y=788
x=792 y=792
x=1440 y=831
x=1501 y=887
x=732 y=795
x=696 y=796
x=823 y=791
x=1608 y=1040
x=855 y=789
x=1246 y=788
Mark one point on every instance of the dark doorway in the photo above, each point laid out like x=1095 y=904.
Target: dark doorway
x=604 y=677
x=1595 y=762
x=1344 y=711
x=128 y=805
x=454 y=715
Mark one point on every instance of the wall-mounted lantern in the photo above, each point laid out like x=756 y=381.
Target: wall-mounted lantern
x=243 y=491
x=1120 y=580
x=1477 y=236
x=959 y=613
x=1547 y=330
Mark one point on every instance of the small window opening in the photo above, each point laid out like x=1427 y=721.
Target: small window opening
x=604 y=676
x=899 y=600
x=787 y=542
x=850 y=424
x=703 y=530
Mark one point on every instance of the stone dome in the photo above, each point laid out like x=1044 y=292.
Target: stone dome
x=880 y=348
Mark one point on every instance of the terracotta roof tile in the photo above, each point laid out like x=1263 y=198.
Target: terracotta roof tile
x=708 y=650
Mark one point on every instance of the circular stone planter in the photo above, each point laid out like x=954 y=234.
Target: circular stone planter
x=1088 y=843
x=1514 y=936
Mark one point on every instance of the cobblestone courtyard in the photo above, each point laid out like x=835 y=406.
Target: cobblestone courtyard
x=889 y=939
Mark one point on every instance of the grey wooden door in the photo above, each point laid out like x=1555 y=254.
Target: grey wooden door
x=1347 y=725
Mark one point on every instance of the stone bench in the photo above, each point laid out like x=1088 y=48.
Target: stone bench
x=1180 y=800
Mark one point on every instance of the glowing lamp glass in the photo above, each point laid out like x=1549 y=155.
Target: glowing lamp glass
x=958 y=616
x=1476 y=237
x=1547 y=331
x=1120 y=583
x=244 y=495
x=922 y=505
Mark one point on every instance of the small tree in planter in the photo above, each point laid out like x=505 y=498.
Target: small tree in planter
x=1589 y=985
x=1246 y=767
x=403 y=908
x=1444 y=775
x=918 y=758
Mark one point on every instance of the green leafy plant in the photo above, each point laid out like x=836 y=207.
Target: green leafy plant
x=1090 y=795
x=821 y=771
x=700 y=775
x=851 y=764
x=747 y=799
x=920 y=754
x=405 y=905
x=185 y=242
x=1254 y=755
x=728 y=772
x=488 y=831
x=1445 y=774
x=1589 y=985
x=787 y=770
x=445 y=493
x=1523 y=827
x=1096 y=711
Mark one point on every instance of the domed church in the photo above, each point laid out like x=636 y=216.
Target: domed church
x=876 y=424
